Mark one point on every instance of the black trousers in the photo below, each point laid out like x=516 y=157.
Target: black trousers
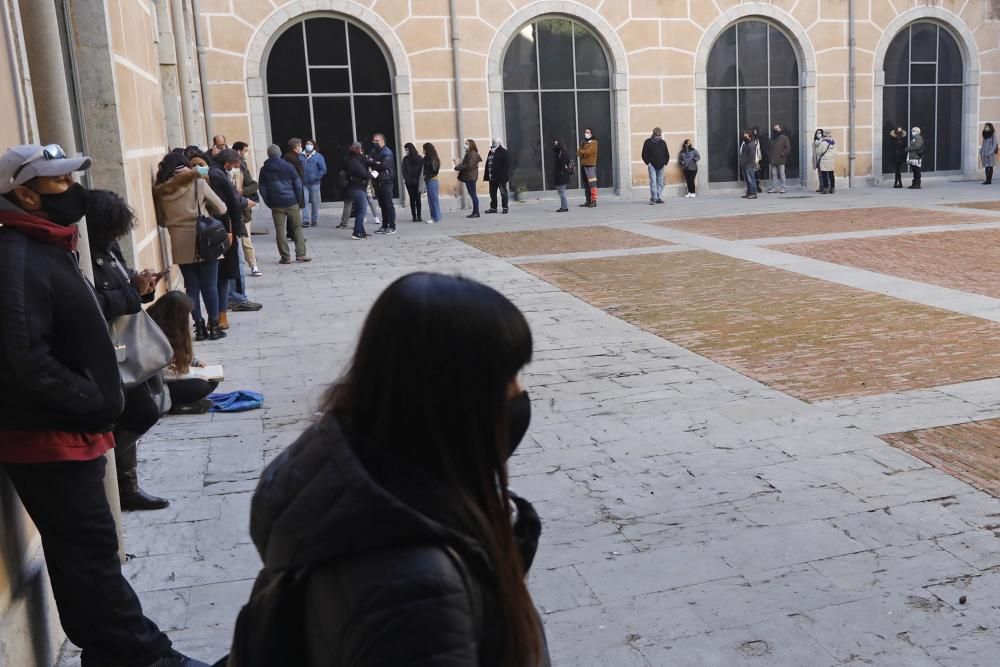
x=190 y=390
x=98 y=608
x=413 y=192
x=384 y=194
x=916 y=174
x=502 y=188
x=898 y=175
x=689 y=176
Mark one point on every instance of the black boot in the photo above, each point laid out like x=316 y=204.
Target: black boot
x=215 y=332
x=989 y=176
x=200 y=332
x=130 y=496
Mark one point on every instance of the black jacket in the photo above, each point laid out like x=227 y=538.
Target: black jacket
x=655 y=153
x=384 y=584
x=218 y=180
x=497 y=171
x=112 y=280
x=413 y=165
x=58 y=369
x=357 y=172
x=899 y=149
x=560 y=165
x=431 y=167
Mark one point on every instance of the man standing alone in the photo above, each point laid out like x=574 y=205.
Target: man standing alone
x=777 y=154
x=656 y=155
x=497 y=173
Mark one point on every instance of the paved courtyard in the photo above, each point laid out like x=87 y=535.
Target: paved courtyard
x=765 y=440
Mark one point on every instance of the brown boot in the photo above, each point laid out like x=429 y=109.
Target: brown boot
x=224 y=320
x=132 y=498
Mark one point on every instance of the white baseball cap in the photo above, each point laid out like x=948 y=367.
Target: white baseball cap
x=20 y=164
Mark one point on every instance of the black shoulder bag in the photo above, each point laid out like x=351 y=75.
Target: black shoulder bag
x=211 y=237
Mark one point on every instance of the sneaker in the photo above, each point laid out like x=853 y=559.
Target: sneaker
x=359 y=237
x=585 y=204
x=505 y=211
x=562 y=210
x=341 y=226
x=490 y=210
x=391 y=230
x=781 y=191
x=433 y=222
x=255 y=272
x=770 y=191
x=381 y=230
x=303 y=258
x=199 y=407
x=693 y=195
x=652 y=202
x=246 y=307
x=284 y=260
x=660 y=201
x=472 y=215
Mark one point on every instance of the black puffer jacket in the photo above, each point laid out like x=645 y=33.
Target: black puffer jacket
x=58 y=369
x=112 y=278
x=385 y=585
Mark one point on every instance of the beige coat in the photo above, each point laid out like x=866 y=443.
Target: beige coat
x=177 y=204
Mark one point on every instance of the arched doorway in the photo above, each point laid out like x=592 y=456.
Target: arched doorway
x=924 y=77
x=753 y=80
x=557 y=80
x=327 y=78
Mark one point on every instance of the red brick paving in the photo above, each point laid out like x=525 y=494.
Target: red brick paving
x=968 y=260
x=559 y=241
x=969 y=452
x=805 y=223
x=807 y=337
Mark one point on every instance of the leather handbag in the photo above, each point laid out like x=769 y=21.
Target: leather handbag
x=142 y=348
x=211 y=236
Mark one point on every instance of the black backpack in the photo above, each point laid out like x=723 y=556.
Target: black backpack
x=211 y=237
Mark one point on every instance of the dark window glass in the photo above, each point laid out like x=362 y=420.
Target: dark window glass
x=520 y=68
x=329 y=80
x=591 y=61
x=327 y=40
x=922 y=114
x=949 y=59
x=374 y=113
x=784 y=63
x=923 y=43
x=722 y=60
x=289 y=118
x=334 y=134
x=523 y=139
x=595 y=113
x=286 y=64
x=949 y=128
x=558 y=122
x=922 y=73
x=555 y=53
x=723 y=136
x=369 y=68
x=752 y=42
x=897 y=59
x=785 y=110
x=895 y=114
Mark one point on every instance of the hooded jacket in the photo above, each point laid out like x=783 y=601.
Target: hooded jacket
x=383 y=586
x=988 y=151
x=179 y=202
x=279 y=184
x=655 y=153
x=313 y=167
x=497 y=165
x=778 y=151
x=58 y=368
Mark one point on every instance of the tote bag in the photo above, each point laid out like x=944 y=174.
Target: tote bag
x=142 y=348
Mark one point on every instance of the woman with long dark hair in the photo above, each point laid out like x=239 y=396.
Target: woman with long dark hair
x=432 y=165
x=393 y=513
x=172 y=312
x=468 y=173
x=413 y=167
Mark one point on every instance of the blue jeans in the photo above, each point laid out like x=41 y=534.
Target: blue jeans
x=563 y=200
x=238 y=286
x=313 y=199
x=434 y=198
x=470 y=186
x=750 y=174
x=201 y=282
x=656 y=182
x=778 y=176
x=360 y=199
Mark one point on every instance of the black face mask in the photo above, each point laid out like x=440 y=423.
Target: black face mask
x=67 y=207
x=518 y=419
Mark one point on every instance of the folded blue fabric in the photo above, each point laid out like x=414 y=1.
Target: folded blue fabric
x=236 y=401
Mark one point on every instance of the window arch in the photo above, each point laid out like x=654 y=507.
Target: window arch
x=556 y=81
x=327 y=78
x=752 y=81
x=924 y=76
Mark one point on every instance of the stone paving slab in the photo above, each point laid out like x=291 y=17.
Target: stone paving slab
x=992 y=205
x=554 y=241
x=968 y=260
x=803 y=336
x=817 y=222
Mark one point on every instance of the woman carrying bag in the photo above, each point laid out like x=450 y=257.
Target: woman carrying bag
x=468 y=173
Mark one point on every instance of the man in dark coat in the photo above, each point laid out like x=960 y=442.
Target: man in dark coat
x=777 y=155
x=221 y=182
x=497 y=174
x=60 y=396
x=656 y=155
x=281 y=189
x=383 y=162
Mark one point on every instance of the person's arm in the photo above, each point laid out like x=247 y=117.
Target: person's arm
x=211 y=201
x=262 y=189
x=645 y=152
x=321 y=165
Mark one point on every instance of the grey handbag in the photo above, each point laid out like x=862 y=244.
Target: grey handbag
x=143 y=350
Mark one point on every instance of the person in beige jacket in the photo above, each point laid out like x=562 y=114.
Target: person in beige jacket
x=182 y=194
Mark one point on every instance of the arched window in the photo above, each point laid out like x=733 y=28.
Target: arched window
x=328 y=79
x=753 y=81
x=923 y=88
x=556 y=82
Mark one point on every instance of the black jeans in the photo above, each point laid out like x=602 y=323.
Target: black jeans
x=916 y=174
x=413 y=192
x=898 y=175
x=502 y=187
x=689 y=176
x=98 y=608
x=384 y=194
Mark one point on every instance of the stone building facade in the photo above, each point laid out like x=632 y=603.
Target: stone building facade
x=129 y=79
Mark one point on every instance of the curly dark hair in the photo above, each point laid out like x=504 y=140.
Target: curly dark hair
x=109 y=217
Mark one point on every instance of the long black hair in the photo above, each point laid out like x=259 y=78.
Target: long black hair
x=169 y=164
x=429 y=410
x=431 y=152
x=109 y=218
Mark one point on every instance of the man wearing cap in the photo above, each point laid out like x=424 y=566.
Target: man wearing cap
x=60 y=395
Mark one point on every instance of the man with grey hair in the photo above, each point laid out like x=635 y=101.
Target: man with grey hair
x=915 y=156
x=281 y=189
x=383 y=163
x=656 y=155
x=497 y=173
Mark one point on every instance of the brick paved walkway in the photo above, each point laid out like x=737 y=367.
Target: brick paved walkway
x=692 y=515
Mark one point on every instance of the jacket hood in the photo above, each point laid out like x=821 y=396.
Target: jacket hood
x=37 y=228
x=178 y=185
x=317 y=502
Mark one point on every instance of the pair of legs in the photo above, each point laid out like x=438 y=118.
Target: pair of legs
x=916 y=176
x=989 y=176
x=434 y=198
x=590 y=185
x=383 y=192
x=898 y=182
x=98 y=608
x=189 y=390
x=359 y=199
x=248 y=250
x=827 y=181
x=413 y=192
x=750 y=175
x=656 y=183
x=310 y=213
x=563 y=199
x=777 y=178
x=140 y=414
x=470 y=187
x=201 y=283
x=689 y=177
x=288 y=219
x=495 y=187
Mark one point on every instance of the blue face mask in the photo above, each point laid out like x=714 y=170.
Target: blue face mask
x=202 y=171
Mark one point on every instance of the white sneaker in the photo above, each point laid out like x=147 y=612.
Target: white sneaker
x=256 y=272
x=693 y=195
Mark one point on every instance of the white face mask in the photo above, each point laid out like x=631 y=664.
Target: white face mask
x=310 y=148
x=466 y=145
x=587 y=135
